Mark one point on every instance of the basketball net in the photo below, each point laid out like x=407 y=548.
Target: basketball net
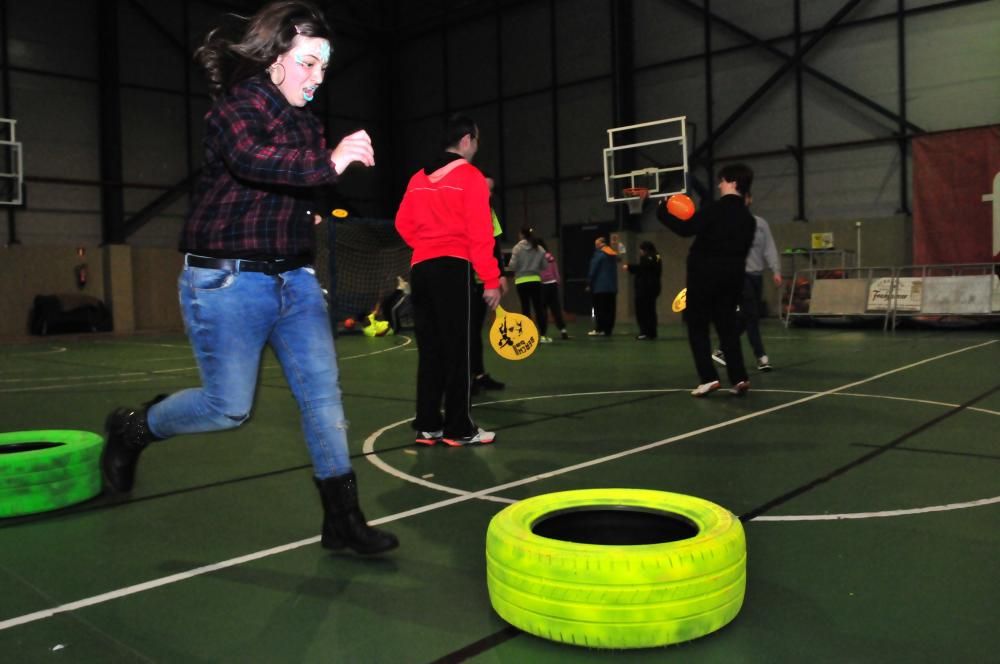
x=637 y=198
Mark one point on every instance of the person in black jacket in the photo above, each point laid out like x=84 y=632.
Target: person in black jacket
x=723 y=232
x=647 y=274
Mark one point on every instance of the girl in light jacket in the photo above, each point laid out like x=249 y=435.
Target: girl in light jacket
x=527 y=261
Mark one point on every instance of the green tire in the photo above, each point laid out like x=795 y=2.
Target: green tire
x=38 y=479
x=616 y=595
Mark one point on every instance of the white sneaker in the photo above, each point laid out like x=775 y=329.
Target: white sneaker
x=763 y=364
x=544 y=340
x=740 y=388
x=719 y=358
x=429 y=437
x=705 y=388
x=481 y=437
x=594 y=333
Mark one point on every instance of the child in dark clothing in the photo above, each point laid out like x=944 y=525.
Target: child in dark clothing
x=647 y=274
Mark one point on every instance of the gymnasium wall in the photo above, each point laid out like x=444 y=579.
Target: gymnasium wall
x=53 y=64
x=883 y=242
x=541 y=83
x=137 y=284
x=539 y=77
x=27 y=271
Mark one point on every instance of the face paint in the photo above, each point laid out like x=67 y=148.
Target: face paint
x=317 y=48
x=308 y=93
x=324 y=48
x=305 y=65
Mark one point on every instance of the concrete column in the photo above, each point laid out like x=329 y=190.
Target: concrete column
x=118 y=287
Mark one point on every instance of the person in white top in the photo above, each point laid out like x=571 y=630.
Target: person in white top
x=762 y=254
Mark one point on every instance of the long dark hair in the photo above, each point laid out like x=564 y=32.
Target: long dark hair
x=528 y=233
x=268 y=34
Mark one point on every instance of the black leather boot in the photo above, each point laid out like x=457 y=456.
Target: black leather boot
x=343 y=522
x=128 y=435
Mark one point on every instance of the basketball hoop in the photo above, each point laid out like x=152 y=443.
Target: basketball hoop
x=636 y=197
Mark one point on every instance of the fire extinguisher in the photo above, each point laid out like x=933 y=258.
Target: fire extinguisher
x=81 y=275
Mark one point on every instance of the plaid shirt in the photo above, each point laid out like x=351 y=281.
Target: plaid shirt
x=256 y=195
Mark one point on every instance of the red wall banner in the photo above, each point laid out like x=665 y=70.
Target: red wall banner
x=956 y=195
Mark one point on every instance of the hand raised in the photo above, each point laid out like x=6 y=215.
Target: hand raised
x=356 y=147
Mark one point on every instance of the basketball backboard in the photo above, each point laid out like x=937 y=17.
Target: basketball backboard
x=651 y=155
x=11 y=164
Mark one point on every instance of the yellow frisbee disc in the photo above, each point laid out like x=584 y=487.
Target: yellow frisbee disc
x=680 y=302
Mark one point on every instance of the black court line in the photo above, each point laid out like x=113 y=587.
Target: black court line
x=479 y=647
x=837 y=472
x=547 y=417
x=968 y=455
x=497 y=638
x=507 y=633
x=112 y=502
x=115 y=502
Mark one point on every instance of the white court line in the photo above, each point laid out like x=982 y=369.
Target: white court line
x=863 y=395
x=384 y=350
x=141 y=376
x=369 y=445
x=464 y=497
x=118 y=342
x=74 y=386
x=121 y=379
x=882 y=514
x=422 y=481
x=182 y=346
x=155 y=583
x=50 y=351
x=50 y=379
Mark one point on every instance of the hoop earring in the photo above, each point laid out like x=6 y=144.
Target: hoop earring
x=271 y=70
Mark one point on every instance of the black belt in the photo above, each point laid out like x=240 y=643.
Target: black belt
x=270 y=268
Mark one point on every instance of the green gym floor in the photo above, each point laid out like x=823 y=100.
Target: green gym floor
x=865 y=470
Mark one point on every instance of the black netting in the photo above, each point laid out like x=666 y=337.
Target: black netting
x=367 y=256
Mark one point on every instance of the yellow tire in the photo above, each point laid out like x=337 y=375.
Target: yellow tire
x=616 y=568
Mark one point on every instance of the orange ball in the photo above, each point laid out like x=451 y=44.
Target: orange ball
x=681 y=206
x=348 y=323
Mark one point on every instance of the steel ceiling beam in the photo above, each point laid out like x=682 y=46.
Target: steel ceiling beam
x=835 y=84
x=792 y=62
x=160 y=28
x=109 y=125
x=158 y=205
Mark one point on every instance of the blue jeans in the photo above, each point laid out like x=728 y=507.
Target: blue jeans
x=230 y=316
